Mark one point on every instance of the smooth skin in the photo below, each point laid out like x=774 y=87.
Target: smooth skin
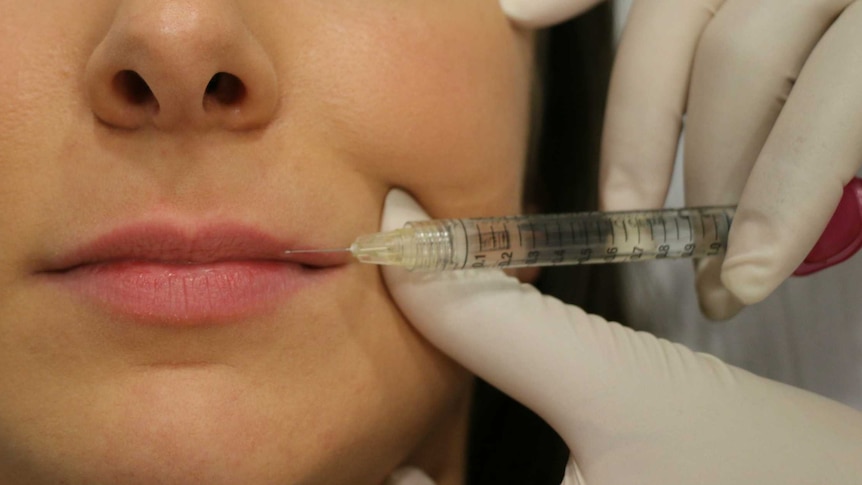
x=342 y=100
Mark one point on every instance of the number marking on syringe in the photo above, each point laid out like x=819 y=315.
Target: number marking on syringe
x=548 y=240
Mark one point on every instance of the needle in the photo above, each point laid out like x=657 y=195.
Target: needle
x=317 y=251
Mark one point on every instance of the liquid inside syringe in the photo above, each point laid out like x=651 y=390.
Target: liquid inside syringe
x=549 y=240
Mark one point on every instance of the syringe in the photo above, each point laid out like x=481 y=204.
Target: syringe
x=548 y=240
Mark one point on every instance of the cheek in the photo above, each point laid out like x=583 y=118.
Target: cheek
x=41 y=59
x=436 y=104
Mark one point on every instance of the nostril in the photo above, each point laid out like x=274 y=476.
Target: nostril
x=132 y=88
x=225 y=89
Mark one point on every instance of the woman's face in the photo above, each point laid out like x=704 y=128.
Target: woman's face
x=155 y=158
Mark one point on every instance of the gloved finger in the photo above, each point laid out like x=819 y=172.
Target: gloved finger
x=543 y=13
x=746 y=64
x=552 y=357
x=632 y=408
x=647 y=100
x=477 y=317
x=813 y=152
x=409 y=476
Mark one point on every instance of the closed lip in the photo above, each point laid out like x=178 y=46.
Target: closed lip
x=165 y=273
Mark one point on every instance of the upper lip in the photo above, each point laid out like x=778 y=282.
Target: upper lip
x=177 y=244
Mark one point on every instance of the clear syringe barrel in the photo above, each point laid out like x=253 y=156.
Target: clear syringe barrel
x=550 y=240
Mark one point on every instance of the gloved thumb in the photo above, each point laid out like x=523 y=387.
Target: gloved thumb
x=409 y=476
x=631 y=407
x=543 y=13
x=533 y=347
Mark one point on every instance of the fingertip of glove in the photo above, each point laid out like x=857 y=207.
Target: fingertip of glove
x=715 y=300
x=518 y=11
x=719 y=305
x=399 y=208
x=542 y=13
x=750 y=279
x=408 y=476
x=753 y=270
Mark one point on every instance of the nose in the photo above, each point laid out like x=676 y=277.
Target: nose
x=174 y=65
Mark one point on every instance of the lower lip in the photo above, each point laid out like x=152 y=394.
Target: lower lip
x=188 y=294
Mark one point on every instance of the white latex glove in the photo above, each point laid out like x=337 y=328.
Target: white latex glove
x=772 y=94
x=409 y=476
x=543 y=13
x=633 y=409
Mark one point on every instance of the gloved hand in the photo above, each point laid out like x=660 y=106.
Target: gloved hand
x=632 y=408
x=770 y=91
x=542 y=13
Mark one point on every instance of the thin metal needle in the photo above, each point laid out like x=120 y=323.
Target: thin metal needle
x=317 y=251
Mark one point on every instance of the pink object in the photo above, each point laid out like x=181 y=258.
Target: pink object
x=842 y=236
x=166 y=274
